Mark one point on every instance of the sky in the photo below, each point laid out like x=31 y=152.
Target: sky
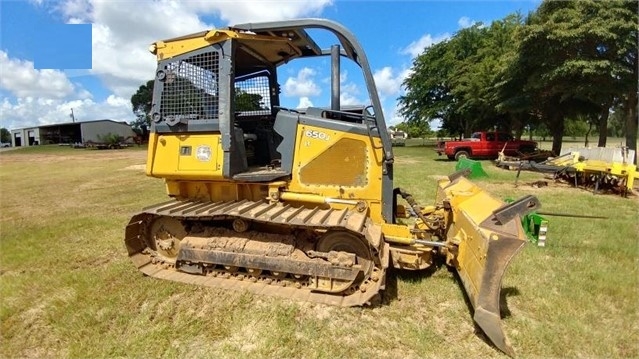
x=92 y=55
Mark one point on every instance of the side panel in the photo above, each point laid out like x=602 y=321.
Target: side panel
x=340 y=165
x=188 y=157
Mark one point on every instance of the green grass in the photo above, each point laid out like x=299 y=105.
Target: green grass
x=59 y=150
x=67 y=288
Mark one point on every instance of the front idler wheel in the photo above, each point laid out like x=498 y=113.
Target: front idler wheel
x=339 y=241
x=165 y=237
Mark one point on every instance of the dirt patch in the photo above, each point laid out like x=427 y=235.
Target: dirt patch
x=407 y=161
x=555 y=186
x=437 y=177
x=35 y=158
x=320 y=311
x=136 y=168
x=79 y=155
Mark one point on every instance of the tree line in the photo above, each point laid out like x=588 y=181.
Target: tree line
x=569 y=63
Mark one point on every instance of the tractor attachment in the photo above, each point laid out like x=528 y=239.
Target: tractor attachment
x=484 y=235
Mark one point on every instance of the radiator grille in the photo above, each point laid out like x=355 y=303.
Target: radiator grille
x=345 y=163
x=190 y=88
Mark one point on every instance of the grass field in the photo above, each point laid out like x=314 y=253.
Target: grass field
x=67 y=288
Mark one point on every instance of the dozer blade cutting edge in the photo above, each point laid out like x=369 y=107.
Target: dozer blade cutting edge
x=487 y=235
x=487 y=301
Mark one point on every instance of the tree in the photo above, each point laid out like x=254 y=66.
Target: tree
x=433 y=89
x=628 y=60
x=413 y=130
x=141 y=102
x=245 y=101
x=575 y=58
x=428 y=94
x=456 y=80
x=5 y=135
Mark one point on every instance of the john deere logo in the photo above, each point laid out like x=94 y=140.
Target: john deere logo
x=203 y=153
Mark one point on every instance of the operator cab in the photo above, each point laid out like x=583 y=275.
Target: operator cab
x=256 y=104
x=231 y=87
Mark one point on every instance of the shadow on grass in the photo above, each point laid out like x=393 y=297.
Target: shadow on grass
x=393 y=275
x=504 y=311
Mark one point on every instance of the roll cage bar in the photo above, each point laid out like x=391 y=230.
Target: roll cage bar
x=350 y=48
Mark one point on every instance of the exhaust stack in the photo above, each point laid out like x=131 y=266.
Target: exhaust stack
x=335 y=72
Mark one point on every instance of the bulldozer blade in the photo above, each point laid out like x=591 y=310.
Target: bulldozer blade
x=486 y=295
x=486 y=235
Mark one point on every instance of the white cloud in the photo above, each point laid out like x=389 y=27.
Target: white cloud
x=415 y=48
x=22 y=79
x=238 y=11
x=303 y=85
x=121 y=33
x=305 y=102
x=348 y=93
x=77 y=11
x=31 y=111
x=392 y=116
x=388 y=83
x=465 y=22
x=347 y=99
x=47 y=96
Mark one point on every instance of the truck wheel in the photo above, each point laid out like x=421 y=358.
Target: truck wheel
x=461 y=154
x=526 y=150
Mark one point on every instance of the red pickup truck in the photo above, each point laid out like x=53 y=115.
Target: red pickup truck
x=485 y=145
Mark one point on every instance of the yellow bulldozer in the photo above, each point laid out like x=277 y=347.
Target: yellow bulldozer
x=299 y=203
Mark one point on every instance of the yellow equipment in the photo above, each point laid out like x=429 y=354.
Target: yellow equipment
x=599 y=168
x=299 y=204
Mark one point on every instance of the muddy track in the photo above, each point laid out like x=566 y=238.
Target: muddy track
x=219 y=257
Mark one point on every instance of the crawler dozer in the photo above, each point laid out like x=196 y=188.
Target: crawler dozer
x=299 y=203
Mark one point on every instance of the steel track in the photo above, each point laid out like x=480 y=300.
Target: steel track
x=263 y=212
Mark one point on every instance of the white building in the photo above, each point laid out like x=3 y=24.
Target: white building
x=72 y=132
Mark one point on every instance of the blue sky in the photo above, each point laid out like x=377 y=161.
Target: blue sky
x=91 y=55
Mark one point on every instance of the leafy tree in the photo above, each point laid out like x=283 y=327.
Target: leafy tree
x=576 y=127
x=628 y=61
x=574 y=59
x=413 y=130
x=617 y=122
x=142 y=99
x=245 y=101
x=5 y=135
x=567 y=60
x=468 y=81
x=141 y=102
x=428 y=93
x=455 y=80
